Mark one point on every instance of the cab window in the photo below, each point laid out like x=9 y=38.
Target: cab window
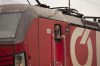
x=57 y=32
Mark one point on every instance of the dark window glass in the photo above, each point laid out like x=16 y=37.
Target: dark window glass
x=57 y=31
x=8 y=24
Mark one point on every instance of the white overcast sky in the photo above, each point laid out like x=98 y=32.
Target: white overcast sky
x=87 y=7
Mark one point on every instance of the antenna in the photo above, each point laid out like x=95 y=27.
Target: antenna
x=42 y=5
x=69 y=8
x=69 y=11
x=38 y=2
x=28 y=2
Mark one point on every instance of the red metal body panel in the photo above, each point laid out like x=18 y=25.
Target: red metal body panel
x=7 y=53
x=32 y=44
x=46 y=43
x=66 y=32
x=6 y=50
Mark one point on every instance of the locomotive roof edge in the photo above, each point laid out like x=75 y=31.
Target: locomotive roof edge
x=39 y=11
x=51 y=14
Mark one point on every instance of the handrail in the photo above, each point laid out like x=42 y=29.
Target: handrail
x=54 y=51
x=64 y=50
x=54 y=48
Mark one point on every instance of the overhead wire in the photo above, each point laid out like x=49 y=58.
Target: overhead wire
x=56 y=12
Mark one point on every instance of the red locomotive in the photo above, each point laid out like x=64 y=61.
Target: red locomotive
x=37 y=36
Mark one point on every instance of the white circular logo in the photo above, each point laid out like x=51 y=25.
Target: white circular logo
x=84 y=33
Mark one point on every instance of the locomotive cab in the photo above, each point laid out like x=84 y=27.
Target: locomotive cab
x=23 y=29
x=14 y=24
x=37 y=36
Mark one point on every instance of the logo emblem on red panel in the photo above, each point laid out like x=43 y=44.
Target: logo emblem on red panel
x=81 y=47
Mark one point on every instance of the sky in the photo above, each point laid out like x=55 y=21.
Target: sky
x=86 y=7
